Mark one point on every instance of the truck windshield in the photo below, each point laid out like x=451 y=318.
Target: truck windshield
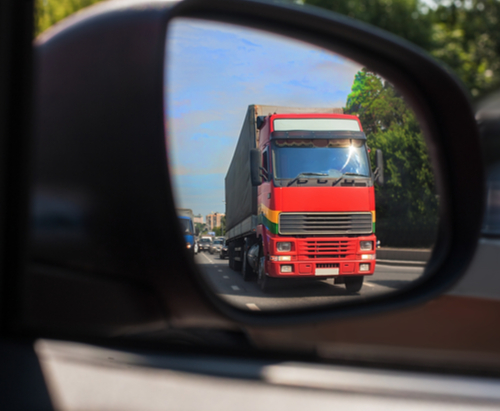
x=319 y=158
x=186 y=225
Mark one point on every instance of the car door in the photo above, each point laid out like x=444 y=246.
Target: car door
x=112 y=273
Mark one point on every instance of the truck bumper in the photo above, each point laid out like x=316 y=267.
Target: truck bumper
x=320 y=269
x=321 y=257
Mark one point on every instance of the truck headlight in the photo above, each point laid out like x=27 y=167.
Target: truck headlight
x=366 y=245
x=284 y=246
x=281 y=258
x=286 y=268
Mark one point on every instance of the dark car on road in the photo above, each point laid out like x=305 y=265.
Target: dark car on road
x=216 y=245
x=223 y=251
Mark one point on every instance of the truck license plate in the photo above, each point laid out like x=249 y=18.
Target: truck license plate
x=326 y=271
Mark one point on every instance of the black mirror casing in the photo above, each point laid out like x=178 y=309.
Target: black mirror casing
x=100 y=151
x=255 y=167
x=379 y=170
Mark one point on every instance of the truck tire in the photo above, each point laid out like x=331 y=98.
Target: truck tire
x=353 y=284
x=264 y=282
x=237 y=253
x=233 y=263
x=261 y=276
x=230 y=255
x=246 y=271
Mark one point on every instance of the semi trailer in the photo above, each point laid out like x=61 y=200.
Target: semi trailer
x=300 y=199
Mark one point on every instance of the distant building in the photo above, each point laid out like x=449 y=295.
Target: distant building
x=214 y=220
x=198 y=219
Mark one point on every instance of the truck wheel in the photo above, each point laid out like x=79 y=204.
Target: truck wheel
x=246 y=271
x=263 y=281
x=237 y=264
x=230 y=255
x=353 y=284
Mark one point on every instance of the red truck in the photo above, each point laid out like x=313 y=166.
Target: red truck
x=300 y=199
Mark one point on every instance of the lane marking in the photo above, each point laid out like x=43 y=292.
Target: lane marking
x=235 y=287
x=209 y=260
x=369 y=284
x=225 y=276
x=253 y=307
x=220 y=271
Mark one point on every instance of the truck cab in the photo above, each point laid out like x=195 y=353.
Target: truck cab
x=316 y=201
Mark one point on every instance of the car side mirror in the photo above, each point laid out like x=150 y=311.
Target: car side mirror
x=103 y=203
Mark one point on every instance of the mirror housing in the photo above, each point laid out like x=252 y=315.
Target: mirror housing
x=255 y=167
x=90 y=158
x=378 y=174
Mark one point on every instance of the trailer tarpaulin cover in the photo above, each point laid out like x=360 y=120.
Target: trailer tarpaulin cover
x=241 y=197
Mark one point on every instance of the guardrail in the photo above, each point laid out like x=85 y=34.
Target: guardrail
x=403 y=256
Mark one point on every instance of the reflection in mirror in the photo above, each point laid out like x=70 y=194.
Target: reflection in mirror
x=304 y=175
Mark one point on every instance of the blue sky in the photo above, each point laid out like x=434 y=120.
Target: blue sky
x=214 y=72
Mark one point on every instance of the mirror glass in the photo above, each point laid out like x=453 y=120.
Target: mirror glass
x=301 y=177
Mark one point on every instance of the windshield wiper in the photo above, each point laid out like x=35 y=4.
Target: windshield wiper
x=346 y=174
x=305 y=174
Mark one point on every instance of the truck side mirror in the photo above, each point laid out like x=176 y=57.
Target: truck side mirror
x=255 y=167
x=379 y=170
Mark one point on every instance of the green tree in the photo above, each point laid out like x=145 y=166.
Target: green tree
x=407 y=203
x=466 y=37
x=49 y=12
x=404 y=18
x=200 y=228
x=462 y=34
x=376 y=102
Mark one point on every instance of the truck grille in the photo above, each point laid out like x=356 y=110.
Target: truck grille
x=325 y=223
x=328 y=249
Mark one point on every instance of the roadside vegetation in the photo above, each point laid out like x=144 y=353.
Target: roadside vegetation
x=49 y=12
x=407 y=205
x=462 y=34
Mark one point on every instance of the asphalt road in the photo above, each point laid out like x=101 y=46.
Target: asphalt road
x=228 y=284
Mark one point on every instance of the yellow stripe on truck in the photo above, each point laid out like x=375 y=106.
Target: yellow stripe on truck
x=271 y=215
